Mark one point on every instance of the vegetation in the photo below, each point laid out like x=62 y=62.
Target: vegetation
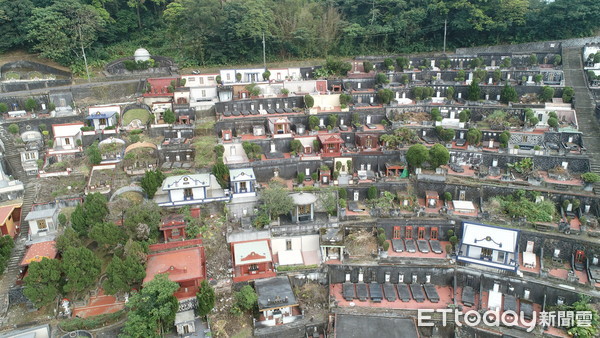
x=89 y=323
x=151 y=181
x=6 y=246
x=276 y=200
x=31 y=104
x=81 y=269
x=246 y=299
x=568 y=94
x=309 y=101
x=578 y=329
x=136 y=114
x=169 y=116
x=93 y=210
x=205 y=298
x=253 y=150
x=372 y=193
x=385 y=95
x=474 y=92
x=416 y=155
x=547 y=94
x=13 y=129
x=123 y=274
x=3 y=108
x=43 y=281
x=520 y=205
x=508 y=94
x=221 y=172
x=152 y=310
x=590 y=177
x=474 y=136
x=438 y=155
x=93 y=154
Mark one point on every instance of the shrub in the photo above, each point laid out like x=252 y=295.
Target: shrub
x=30 y=104
x=284 y=91
x=13 y=129
x=372 y=193
x=367 y=66
x=590 y=177
x=381 y=78
x=447 y=196
x=3 y=107
x=309 y=101
x=568 y=93
x=386 y=245
x=301 y=177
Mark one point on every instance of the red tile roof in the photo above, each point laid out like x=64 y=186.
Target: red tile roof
x=159 y=87
x=37 y=251
x=5 y=211
x=181 y=265
x=330 y=138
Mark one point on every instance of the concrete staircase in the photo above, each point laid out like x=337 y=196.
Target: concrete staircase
x=585 y=107
x=12 y=156
x=10 y=275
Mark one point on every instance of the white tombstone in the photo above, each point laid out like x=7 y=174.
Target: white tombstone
x=414 y=76
x=452 y=114
x=497 y=97
x=491 y=144
x=404 y=95
x=487 y=96
x=507 y=76
x=360 y=276
x=424 y=132
x=341 y=122
x=427 y=279
x=347 y=277
x=397 y=96
x=470 y=76
x=368 y=166
x=587 y=208
x=459 y=95
x=432 y=63
x=387 y=277
x=490 y=80
x=260 y=106
x=285 y=104
x=493 y=63
x=414 y=279
x=356 y=196
x=400 y=277
x=307 y=172
x=359 y=85
x=462 y=135
x=437 y=94
x=565 y=165
x=529 y=78
x=322 y=121
x=273 y=148
x=371 y=99
x=369 y=118
x=252 y=106
x=570 y=139
x=277 y=106
x=494 y=161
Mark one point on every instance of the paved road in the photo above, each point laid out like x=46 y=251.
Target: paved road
x=584 y=105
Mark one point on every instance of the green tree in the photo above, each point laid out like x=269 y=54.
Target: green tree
x=153 y=309
x=69 y=238
x=568 y=94
x=31 y=104
x=78 y=220
x=93 y=154
x=266 y=75
x=123 y=274
x=151 y=181
x=533 y=59
x=447 y=196
x=538 y=78
x=205 y=298
x=547 y=94
x=474 y=136
x=416 y=155
x=446 y=135
x=13 y=129
x=95 y=208
x=3 y=108
x=464 y=115
x=438 y=155
x=313 y=122
x=107 y=234
x=276 y=200
x=332 y=120
x=367 y=66
x=503 y=139
x=169 y=117
x=553 y=122
x=402 y=63
x=590 y=177
x=142 y=220
x=381 y=78
x=309 y=101
x=296 y=146
x=474 y=92
x=577 y=329
x=506 y=63
x=6 y=246
x=450 y=93
x=43 y=282
x=385 y=95
x=372 y=192
x=508 y=94
x=81 y=268
x=497 y=76
x=246 y=299
x=221 y=172
x=62 y=30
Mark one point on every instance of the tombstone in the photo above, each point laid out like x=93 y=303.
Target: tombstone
x=490 y=80
x=322 y=121
x=462 y=195
x=371 y=99
x=493 y=63
x=470 y=76
x=232 y=151
x=252 y=106
x=273 y=148
x=427 y=279
x=487 y=96
x=432 y=63
x=494 y=161
x=496 y=287
x=460 y=64
x=414 y=278
x=285 y=104
x=277 y=106
x=452 y=114
x=570 y=139
x=529 y=78
x=459 y=95
x=497 y=97
x=368 y=166
x=507 y=76
x=359 y=85
x=347 y=276
x=491 y=145
x=43 y=106
x=437 y=94
x=404 y=95
x=400 y=278
x=260 y=106
x=565 y=165
x=276 y=173
x=417 y=171
x=387 y=276
x=177 y=158
x=397 y=96
x=369 y=117
x=414 y=76
x=360 y=276
x=462 y=135
x=341 y=122
x=307 y=172
x=570 y=207
x=188 y=157
x=587 y=208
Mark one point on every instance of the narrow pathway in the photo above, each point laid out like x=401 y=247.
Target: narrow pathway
x=585 y=107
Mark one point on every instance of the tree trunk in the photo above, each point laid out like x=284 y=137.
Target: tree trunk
x=138 y=16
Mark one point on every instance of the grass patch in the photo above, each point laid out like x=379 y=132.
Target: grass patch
x=140 y=114
x=12 y=76
x=205 y=155
x=91 y=323
x=296 y=267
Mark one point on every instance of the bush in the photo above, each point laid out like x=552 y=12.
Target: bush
x=13 y=129
x=30 y=104
x=342 y=193
x=547 y=94
x=386 y=246
x=385 y=95
x=93 y=322
x=590 y=177
x=3 y=107
x=372 y=193
x=447 y=196
x=381 y=78
x=309 y=101
x=553 y=122
x=367 y=66
x=301 y=177
x=568 y=93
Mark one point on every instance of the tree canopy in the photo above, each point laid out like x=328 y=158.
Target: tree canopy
x=276 y=199
x=206 y=299
x=151 y=181
x=81 y=268
x=43 y=281
x=416 y=155
x=123 y=274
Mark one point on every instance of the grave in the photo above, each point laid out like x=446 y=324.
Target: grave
x=403 y=292
x=432 y=293
x=389 y=292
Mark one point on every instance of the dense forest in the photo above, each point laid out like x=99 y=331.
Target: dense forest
x=211 y=32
